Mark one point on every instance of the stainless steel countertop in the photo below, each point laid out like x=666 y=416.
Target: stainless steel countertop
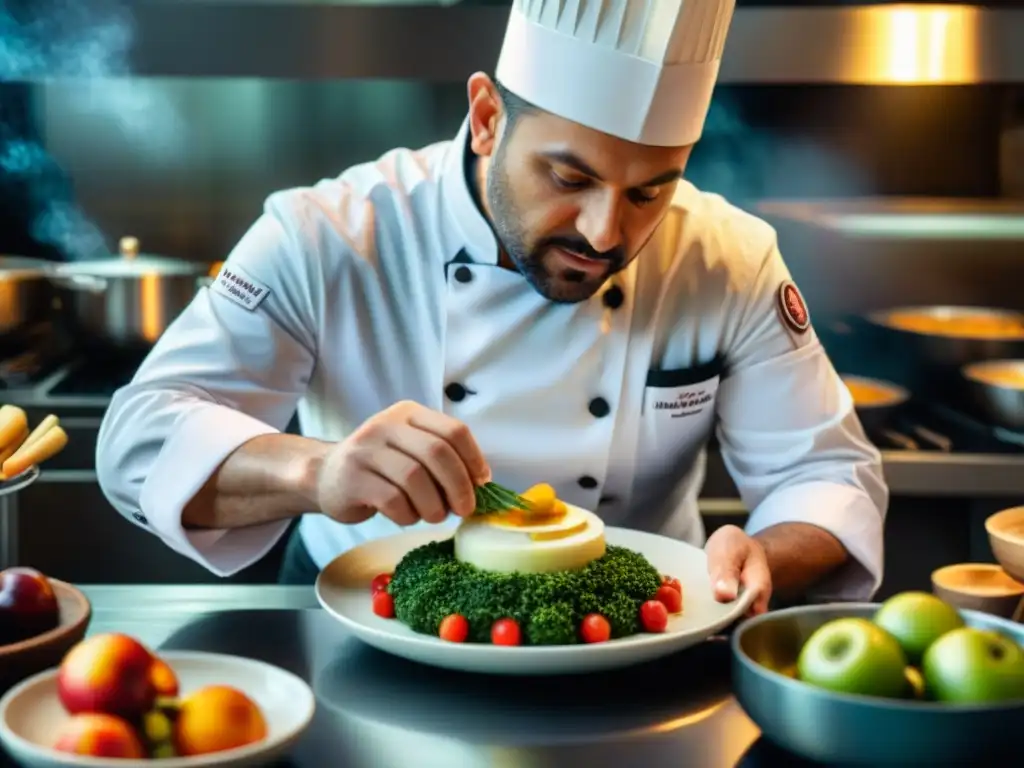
x=380 y=711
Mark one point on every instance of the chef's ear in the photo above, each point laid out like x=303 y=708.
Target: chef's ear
x=485 y=111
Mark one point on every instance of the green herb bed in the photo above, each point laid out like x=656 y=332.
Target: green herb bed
x=430 y=584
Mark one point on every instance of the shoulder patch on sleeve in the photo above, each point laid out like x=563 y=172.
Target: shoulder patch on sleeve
x=235 y=284
x=793 y=312
x=792 y=307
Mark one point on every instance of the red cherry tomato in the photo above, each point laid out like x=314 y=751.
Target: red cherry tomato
x=506 y=632
x=595 y=628
x=653 y=616
x=454 y=628
x=668 y=581
x=384 y=605
x=380 y=582
x=670 y=598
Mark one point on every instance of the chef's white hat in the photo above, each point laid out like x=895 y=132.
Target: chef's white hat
x=643 y=70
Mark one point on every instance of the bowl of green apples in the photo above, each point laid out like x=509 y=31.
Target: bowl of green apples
x=911 y=681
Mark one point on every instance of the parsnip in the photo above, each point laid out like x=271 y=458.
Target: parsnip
x=46 y=447
x=13 y=422
x=13 y=446
x=44 y=426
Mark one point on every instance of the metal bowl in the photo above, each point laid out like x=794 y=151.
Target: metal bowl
x=845 y=729
x=937 y=349
x=877 y=416
x=1002 y=402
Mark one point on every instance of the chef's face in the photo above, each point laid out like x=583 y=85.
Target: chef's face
x=570 y=205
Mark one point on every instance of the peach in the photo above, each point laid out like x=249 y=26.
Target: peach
x=99 y=735
x=165 y=682
x=216 y=718
x=109 y=674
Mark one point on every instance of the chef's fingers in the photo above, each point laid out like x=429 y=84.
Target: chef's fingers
x=458 y=436
x=445 y=465
x=387 y=498
x=727 y=551
x=401 y=465
x=758 y=579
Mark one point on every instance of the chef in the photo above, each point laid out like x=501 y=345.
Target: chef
x=542 y=299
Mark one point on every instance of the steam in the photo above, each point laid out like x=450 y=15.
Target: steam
x=744 y=164
x=72 y=40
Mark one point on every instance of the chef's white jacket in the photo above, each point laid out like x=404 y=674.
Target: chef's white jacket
x=383 y=285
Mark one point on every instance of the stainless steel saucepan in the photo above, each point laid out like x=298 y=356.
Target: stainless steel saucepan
x=128 y=300
x=997 y=389
x=26 y=296
x=876 y=402
x=950 y=337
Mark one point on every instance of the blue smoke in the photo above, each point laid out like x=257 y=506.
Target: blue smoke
x=75 y=40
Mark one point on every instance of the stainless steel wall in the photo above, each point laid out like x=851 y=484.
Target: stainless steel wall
x=186 y=164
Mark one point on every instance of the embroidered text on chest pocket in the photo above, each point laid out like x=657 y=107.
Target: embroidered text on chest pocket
x=678 y=415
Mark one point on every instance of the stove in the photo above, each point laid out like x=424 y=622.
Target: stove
x=45 y=366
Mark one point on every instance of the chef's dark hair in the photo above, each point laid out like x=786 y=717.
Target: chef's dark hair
x=515 y=106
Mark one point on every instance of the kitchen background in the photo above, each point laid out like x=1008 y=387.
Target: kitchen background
x=885 y=143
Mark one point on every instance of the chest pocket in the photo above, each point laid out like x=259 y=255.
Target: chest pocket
x=678 y=416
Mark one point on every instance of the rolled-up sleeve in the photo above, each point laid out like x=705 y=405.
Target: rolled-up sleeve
x=233 y=366
x=791 y=439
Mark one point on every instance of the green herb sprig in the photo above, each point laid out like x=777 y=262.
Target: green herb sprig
x=492 y=499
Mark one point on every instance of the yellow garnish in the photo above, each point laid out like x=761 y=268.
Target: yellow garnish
x=541 y=499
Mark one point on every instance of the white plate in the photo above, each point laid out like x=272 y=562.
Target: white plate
x=343 y=589
x=31 y=713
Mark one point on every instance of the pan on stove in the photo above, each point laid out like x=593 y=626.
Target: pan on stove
x=877 y=402
x=950 y=337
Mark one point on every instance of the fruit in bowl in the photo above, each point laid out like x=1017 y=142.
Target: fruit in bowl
x=28 y=605
x=915 y=646
x=124 y=701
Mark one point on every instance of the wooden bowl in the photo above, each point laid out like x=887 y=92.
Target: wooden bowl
x=981 y=587
x=21 y=660
x=1006 y=535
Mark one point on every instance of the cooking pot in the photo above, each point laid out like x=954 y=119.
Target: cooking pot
x=997 y=390
x=26 y=296
x=950 y=337
x=876 y=402
x=129 y=300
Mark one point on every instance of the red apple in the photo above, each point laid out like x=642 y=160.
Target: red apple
x=28 y=605
x=99 y=735
x=109 y=674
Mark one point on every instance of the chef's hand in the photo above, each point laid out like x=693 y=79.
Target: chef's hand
x=734 y=558
x=409 y=462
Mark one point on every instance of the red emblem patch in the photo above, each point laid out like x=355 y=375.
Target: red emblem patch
x=792 y=307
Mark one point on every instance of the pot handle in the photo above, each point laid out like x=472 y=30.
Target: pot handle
x=79 y=283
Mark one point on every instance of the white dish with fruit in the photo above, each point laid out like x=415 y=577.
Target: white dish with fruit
x=544 y=588
x=112 y=701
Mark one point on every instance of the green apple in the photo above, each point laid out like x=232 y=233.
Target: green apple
x=854 y=656
x=916 y=620
x=974 y=666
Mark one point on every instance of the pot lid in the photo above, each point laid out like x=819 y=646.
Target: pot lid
x=22 y=266
x=131 y=263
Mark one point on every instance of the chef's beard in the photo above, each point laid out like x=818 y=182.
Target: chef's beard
x=535 y=262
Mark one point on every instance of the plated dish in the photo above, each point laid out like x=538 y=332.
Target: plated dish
x=23 y=449
x=543 y=590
